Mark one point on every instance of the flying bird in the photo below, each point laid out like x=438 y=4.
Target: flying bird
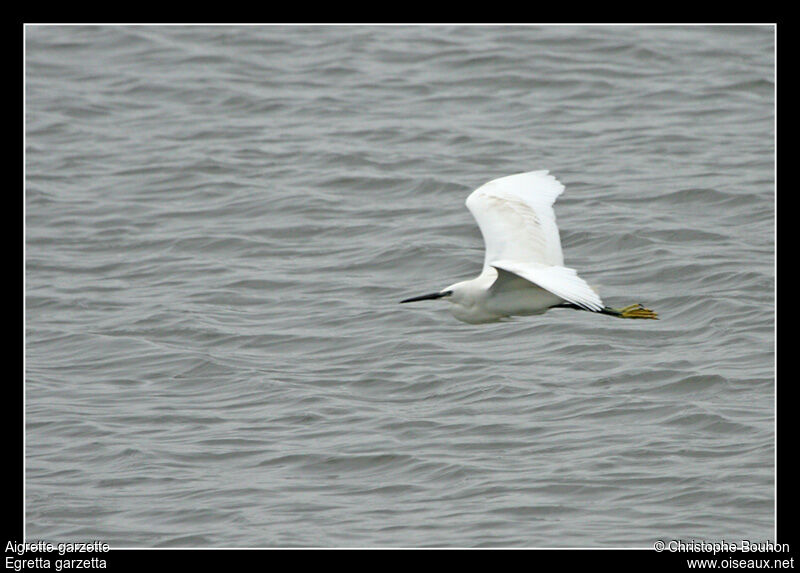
x=523 y=269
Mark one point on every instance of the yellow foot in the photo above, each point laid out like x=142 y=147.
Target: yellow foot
x=633 y=311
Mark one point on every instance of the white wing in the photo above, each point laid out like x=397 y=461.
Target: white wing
x=516 y=218
x=561 y=281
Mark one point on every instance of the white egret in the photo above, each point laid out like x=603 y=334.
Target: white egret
x=523 y=270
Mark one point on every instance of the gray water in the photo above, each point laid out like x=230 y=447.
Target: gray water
x=220 y=222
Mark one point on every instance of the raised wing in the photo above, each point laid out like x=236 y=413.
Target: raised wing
x=516 y=218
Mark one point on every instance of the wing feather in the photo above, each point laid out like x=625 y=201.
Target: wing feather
x=518 y=224
x=561 y=281
x=516 y=218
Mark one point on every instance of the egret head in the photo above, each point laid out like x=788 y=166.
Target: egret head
x=464 y=299
x=462 y=293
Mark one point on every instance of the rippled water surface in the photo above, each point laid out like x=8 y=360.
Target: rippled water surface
x=220 y=222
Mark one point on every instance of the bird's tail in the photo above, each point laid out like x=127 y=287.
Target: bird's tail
x=632 y=311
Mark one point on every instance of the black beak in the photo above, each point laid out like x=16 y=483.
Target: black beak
x=427 y=296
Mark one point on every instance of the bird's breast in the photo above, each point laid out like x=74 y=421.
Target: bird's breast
x=475 y=313
x=522 y=302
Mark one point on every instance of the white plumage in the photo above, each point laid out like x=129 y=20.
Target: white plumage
x=515 y=215
x=523 y=270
